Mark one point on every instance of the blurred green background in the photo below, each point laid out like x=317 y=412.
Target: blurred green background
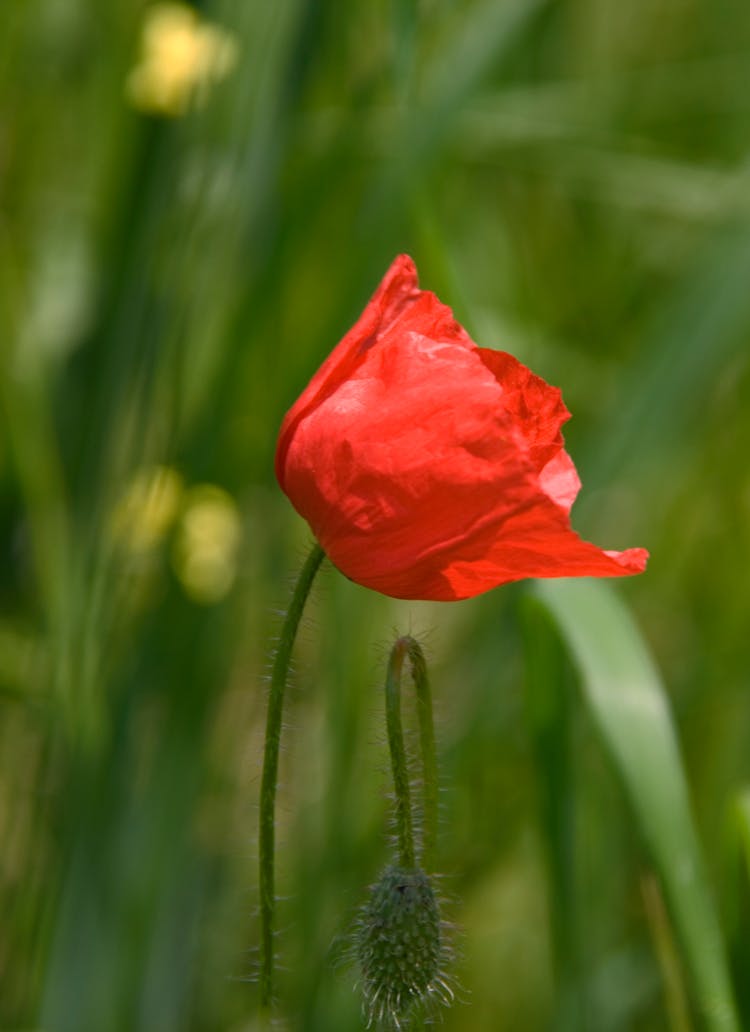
x=194 y=206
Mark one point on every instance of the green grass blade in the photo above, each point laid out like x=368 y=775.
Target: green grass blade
x=736 y=894
x=549 y=710
x=628 y=704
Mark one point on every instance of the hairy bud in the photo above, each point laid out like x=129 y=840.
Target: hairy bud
x=400 y=948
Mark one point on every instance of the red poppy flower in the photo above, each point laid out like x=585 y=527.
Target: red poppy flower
x=430 y=468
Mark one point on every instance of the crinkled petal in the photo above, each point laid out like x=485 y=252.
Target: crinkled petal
x=429 y=468
x=397 y=305
x=537 y=410
x=560 y=481
x=535 y=542
x=411 y=468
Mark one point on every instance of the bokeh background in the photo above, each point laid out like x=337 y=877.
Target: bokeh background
x=195 y=204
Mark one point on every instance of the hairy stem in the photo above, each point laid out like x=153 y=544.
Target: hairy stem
x=404 y=828
x=267 y=832
x=408 y=647
x=427 y=745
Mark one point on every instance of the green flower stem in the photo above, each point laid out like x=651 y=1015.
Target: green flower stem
x=267 y=833
x=427 y=745
x=404 y=828
x=407 y=646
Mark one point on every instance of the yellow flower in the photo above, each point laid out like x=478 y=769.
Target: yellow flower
x=181 y=56
x=147 y=508
x=206 y=551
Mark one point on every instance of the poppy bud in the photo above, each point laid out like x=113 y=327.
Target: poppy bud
x=400 y=946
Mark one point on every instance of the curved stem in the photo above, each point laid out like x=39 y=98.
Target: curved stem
x=404 y=828
x=427 y=745
x=407 y=646
x=267 y=831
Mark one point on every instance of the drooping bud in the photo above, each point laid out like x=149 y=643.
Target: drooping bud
x=400 y=947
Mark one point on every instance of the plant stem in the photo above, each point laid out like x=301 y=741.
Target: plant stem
x=427 y=745
x=267 y=832
x=395 y=730
x=407 y=646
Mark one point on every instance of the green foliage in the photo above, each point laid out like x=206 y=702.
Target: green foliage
x=629 y=708
x=572 y=178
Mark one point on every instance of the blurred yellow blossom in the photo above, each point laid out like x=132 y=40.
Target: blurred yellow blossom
x=207 y=544
x=147 y=508
x=181 y=55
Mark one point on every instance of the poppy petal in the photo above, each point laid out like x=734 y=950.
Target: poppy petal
x=537 y=409
x=430 y=468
